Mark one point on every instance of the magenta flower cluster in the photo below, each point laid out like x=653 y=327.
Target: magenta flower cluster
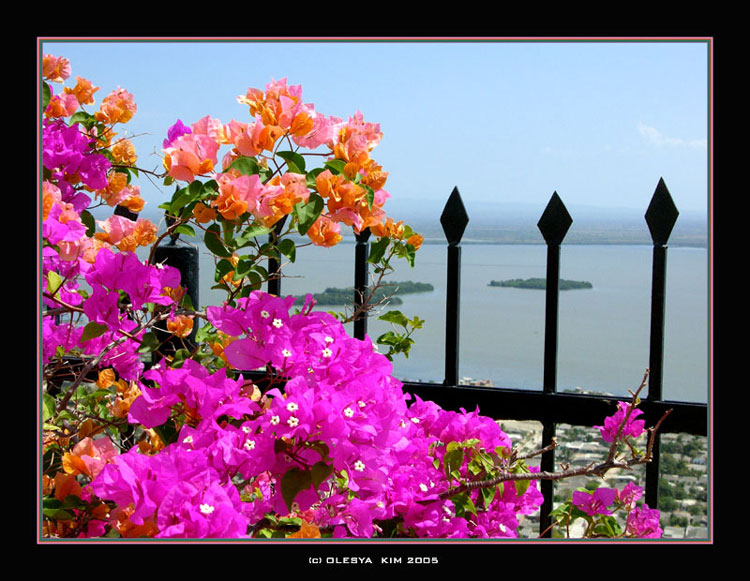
x=341 y=418
x=632 y=427
x=69 y=155
x=110 y=275
x=641 y=521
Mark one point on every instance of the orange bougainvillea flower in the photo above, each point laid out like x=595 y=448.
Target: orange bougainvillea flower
x=63 y=105
x=123 y=152
x=55 y=68
x=128 y=530
x=415 y=240
x=217 y=347
x=106 y=378
x=135 y=204
x=117 y=107
x=127 y=392
x=88 y=457
x=66 y=484
x=180 y=325
x=84 y=91
x=145 y=232
x=388 y=228
x=116 y=183
x=306 y=531
x=325 y=232
x=151 y=442
x=203 y=213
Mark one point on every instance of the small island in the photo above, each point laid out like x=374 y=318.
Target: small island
x=345 y=296
x=540 y=283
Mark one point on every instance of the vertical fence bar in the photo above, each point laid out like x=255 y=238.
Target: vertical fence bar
x=661 y=216
x=454 y=220
x=361 y=273
x=185 y=259
x=553 y=224
x=274 y=266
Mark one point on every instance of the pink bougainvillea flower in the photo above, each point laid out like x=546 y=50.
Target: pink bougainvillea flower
x=55 y=68
x=190 y=155
x=633 y=427
x=643 y=522
x=596 y=502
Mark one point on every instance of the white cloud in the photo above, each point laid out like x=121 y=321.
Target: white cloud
x=658 y=139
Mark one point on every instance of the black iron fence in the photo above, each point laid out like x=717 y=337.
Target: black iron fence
x=544 y=405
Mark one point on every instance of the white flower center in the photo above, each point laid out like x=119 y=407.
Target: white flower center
x=292 y=406
x=188 y=440
x=250 y=445
x=327 y=352
x=206 y=509
x=278 y=323
x=328 y=339
x=265 y=314
x=359 y=465
x=292 y=422
x=275 y=420
x=348 y=412
x=286 y=353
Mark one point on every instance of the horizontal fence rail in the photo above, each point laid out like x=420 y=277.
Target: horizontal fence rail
x=545 y=405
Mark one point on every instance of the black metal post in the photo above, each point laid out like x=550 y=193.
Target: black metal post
x=184 y=259
x=452 y=314
x=553 y=225
x=661 y=216
x=361 y=273
x=454 y=220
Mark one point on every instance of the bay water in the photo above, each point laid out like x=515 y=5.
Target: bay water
x=603 y=332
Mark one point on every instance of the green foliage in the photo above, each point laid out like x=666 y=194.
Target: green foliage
x=540 y=284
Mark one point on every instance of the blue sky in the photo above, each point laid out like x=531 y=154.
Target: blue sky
x=505 y=121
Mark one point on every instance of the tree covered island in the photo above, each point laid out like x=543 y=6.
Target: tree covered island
x=345 y=296
x=540 y=283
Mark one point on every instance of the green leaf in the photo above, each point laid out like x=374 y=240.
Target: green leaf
x=308 y=212
x=149 y=342
x=377 y=249
x=312 y=175
x=185 y=196
x=46 y=95
x=185 y=229
x=320 y=471
x=48 y=406
x=294 y=160
x=452 y=462
x=370 y=196
x=82 y=117
x=243 y=268
x=92 y=330
x=87 y=219
x=245 y=165
x=335 y=165
x=463 y=504
x=54 y=282
x=608 y=527
x=488 y=494
x=395 y=317
x=288 y=248
x=294 y=481
x=214 y=243
x=223 y=267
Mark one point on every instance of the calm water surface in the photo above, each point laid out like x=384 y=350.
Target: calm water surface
x=603 y=339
